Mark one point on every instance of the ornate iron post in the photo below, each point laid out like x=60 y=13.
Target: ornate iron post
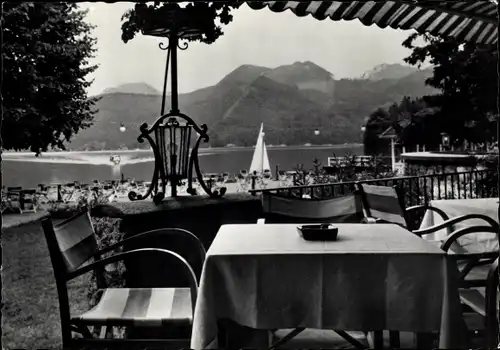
x=170 y=136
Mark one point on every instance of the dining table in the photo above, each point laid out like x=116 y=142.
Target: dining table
x=479 y=242
x=371 y=278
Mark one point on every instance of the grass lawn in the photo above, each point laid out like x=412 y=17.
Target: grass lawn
x=31 y=306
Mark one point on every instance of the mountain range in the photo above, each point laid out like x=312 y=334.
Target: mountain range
x=292 y=101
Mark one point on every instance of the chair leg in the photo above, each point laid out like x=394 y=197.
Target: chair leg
x=378 y=339
x=394 y=341
x=424 y=341
x=491 y=330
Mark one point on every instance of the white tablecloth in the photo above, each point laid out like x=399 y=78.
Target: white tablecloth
x=374 y=277
x=471 y=243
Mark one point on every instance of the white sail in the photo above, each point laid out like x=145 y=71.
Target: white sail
x=260 y=159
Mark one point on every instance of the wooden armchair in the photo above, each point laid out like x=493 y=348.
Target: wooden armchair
x=72 y=243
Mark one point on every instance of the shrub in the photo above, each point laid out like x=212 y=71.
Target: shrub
x=349 y=172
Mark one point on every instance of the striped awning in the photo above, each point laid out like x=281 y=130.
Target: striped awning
x=474 y=21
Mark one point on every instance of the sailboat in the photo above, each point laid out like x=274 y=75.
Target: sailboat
x=260 y=160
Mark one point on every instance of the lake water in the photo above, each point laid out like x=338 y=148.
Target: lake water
x=26 y=170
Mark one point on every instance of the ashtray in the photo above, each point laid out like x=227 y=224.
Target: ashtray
x=318 y=232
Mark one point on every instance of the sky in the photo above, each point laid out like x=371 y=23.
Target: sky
x=256 y=37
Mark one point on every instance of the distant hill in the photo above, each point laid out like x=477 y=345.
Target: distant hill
x=292 y=100
x=244 y=74
x=133 y=88
x=389 y=71
x=304 y=75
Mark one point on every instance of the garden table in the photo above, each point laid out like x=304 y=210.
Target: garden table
x=374 y=277
x=470 y=243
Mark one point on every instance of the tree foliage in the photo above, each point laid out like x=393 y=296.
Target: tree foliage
x=209 y=16
x=46 y=51
x=408 y=118
x=466 y=74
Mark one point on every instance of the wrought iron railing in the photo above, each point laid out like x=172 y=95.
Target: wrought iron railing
x=417 y=189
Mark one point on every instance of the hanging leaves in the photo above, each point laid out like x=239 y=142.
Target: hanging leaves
x=205 y=18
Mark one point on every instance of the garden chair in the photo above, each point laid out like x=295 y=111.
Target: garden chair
x=13 y=200
x=280 y=209
x=385 y=204
x=96 y=183
x=72 y=244
x=42 y=197
x=29 y=200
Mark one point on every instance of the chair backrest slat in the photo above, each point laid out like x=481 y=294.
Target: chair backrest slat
x=278 y=209
x=383 y=202
x=76 y=240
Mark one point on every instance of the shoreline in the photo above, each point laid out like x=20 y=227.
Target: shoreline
x=201 y=149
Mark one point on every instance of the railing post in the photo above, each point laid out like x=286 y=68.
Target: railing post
x=21 y=199
x=59 y=194
x=277 y=176
x=254 y=180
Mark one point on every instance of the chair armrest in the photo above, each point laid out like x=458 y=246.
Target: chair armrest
x=473 y=259
x=462 y=232
x=121 y=256
x=153 y=233
x=457 y=219
x=440 y=212
x=261 y=221
x=370 y=220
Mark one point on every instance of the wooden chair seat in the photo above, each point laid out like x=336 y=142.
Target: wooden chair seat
x=140 y=307
x=474 y=299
